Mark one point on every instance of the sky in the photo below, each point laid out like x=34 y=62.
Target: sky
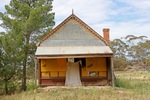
x=122 y=17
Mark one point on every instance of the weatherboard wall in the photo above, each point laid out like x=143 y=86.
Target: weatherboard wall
x=97 y=65
x=57 y=67
x=53 y=67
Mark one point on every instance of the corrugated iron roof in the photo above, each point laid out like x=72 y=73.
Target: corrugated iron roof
x=65 y=50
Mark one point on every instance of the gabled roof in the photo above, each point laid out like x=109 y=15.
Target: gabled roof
x=72 y=16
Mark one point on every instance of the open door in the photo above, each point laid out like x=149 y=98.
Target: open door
x=73 y=73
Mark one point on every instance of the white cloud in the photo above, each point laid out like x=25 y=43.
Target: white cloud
x=95 y=9
x=131 y=18
x=123 y=17
x=122 y=29
x=138 y=7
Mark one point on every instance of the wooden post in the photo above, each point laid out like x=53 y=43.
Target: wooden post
x=112 y=71
x=107 y=68
x=39 y=72
x=36 y=64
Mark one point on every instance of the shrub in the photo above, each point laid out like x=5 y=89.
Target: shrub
x=122 y=83
x=31 y=85
x=12 y=86
x=120 y=64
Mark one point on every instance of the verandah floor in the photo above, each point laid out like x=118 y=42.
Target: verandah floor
x=86 y=81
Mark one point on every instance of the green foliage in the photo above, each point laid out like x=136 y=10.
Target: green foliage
x=137 y=50
x=122 y=83
x=2 y=90
x=31 y=85
x=119 y=47
x=135 y=81
x=130 y=50
x=12 y=87
x=147 y=61
x=141 y=87
x=27 y=20
x=10 y=58
x=130 y=86
x=120 y=64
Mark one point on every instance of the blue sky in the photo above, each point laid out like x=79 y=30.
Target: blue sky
x=122 y=17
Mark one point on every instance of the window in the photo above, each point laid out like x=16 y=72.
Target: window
x=93 y=73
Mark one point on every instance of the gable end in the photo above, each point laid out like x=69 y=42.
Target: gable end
x=71 y=17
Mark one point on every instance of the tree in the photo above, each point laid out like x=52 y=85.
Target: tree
x=119 y=48
x=142 y=51
x=130 y=50
x=10 y=57
x=31 y=18
x=136 y=50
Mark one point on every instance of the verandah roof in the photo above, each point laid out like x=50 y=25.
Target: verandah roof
x=73 y=50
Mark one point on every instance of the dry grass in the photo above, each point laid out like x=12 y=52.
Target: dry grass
x=133 y=86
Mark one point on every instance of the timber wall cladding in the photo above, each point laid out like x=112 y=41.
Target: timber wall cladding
x=53 y=67
x=96 y=66
x=57 y=67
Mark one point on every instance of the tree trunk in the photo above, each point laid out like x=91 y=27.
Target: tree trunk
x=24 y=74
x=25 y=64
x=6 y=86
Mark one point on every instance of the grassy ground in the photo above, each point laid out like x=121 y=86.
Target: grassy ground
x=131 y=86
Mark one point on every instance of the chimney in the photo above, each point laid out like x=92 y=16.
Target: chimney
x=106 y=35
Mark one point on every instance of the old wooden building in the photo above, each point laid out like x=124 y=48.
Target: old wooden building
x=74 y=54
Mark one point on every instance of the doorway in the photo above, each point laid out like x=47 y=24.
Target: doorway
x=73 y=73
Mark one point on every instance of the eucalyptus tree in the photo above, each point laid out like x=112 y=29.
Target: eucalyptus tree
x=136 y=50
x=119 y=48
x=142 y=52
x=32 y=19
x=131 y=50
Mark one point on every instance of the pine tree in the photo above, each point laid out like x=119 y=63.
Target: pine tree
x=32 y=19
x=10 y=57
